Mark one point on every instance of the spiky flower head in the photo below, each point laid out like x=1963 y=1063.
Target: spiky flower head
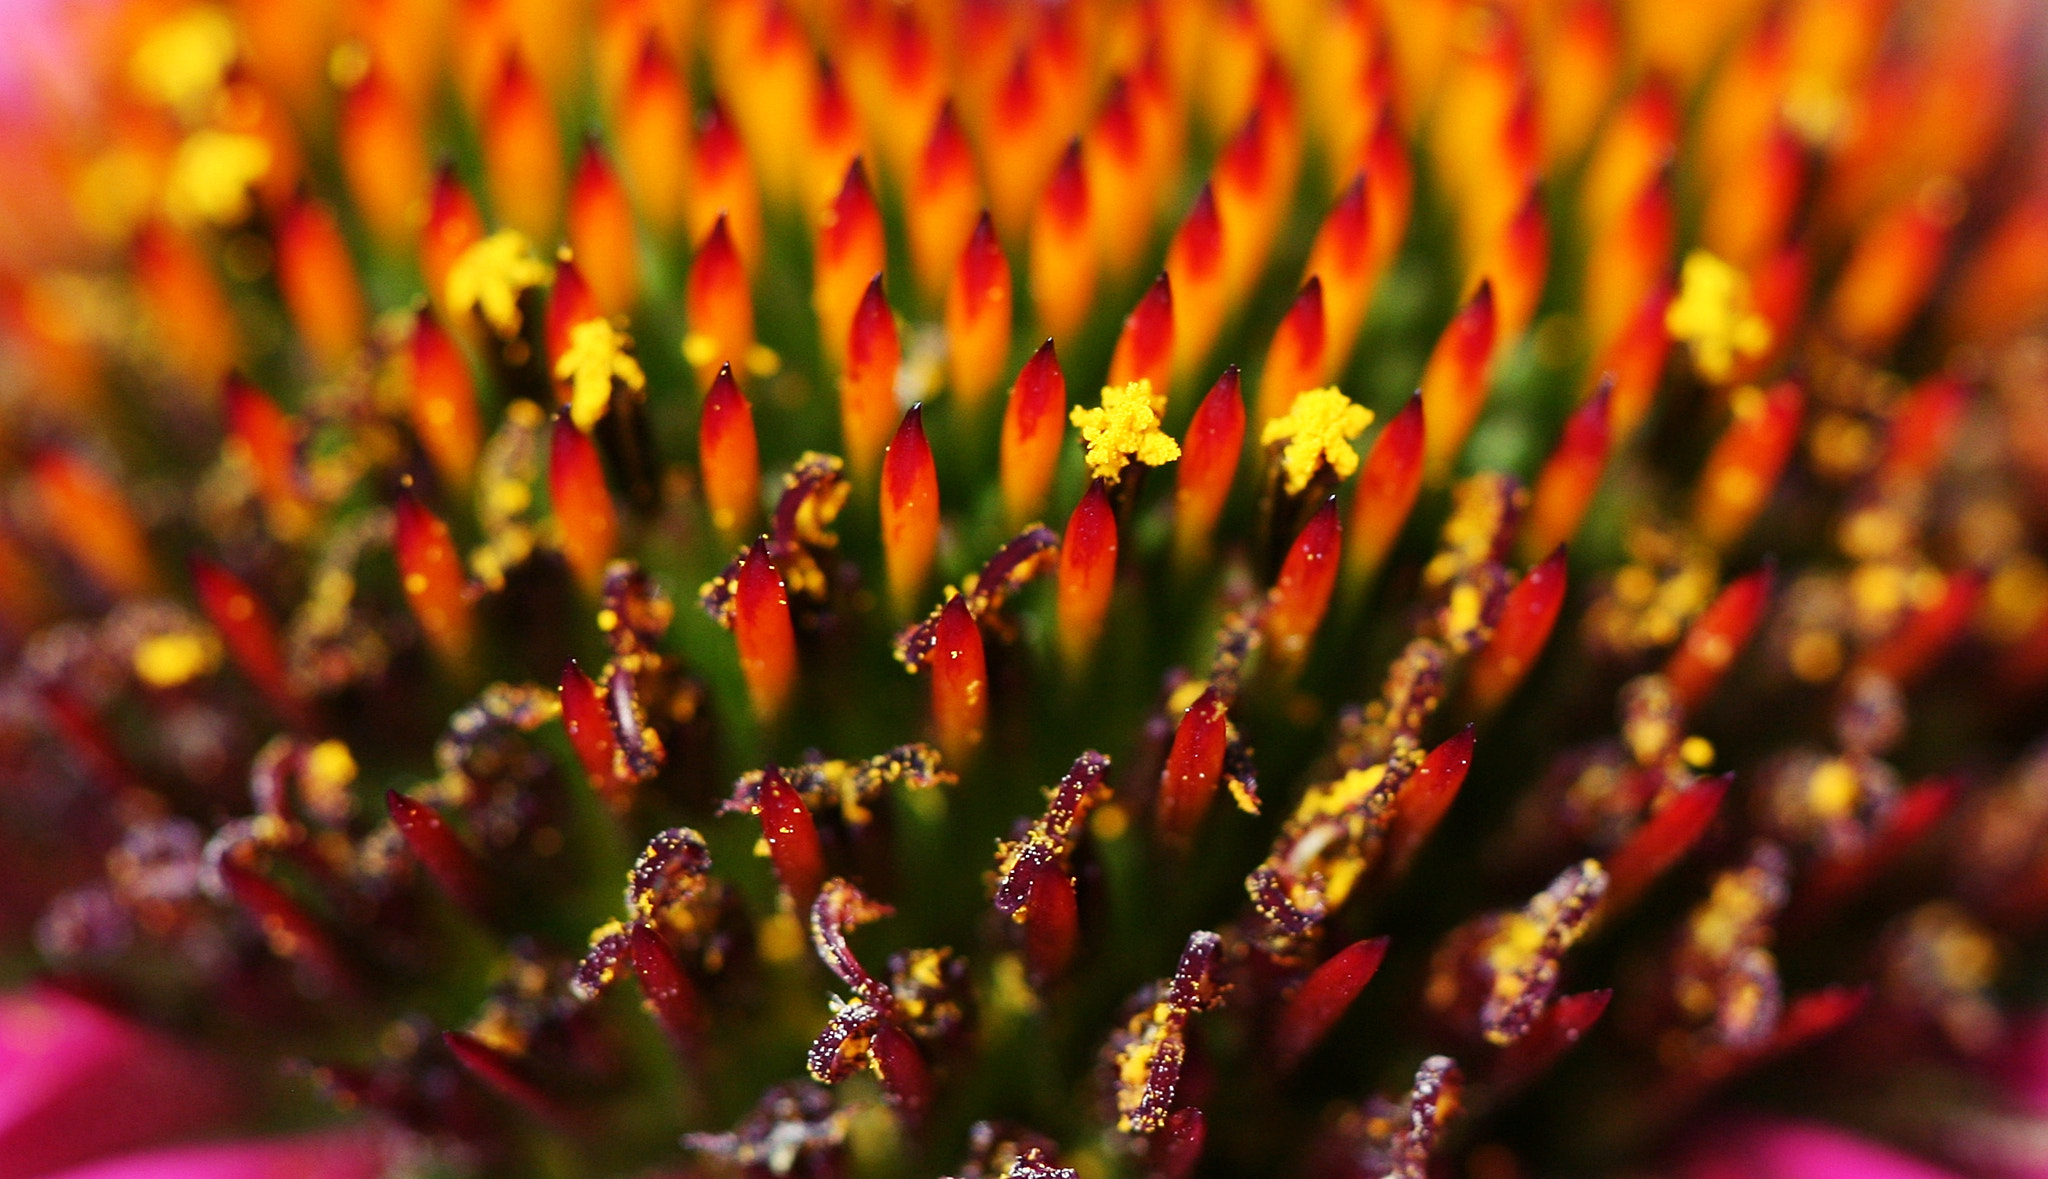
x=1569 y=474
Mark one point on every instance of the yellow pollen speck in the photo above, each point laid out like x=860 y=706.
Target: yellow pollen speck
x=510 y=497
x=1697 y=752
x=1185 y=696
x=699 y=349
x=348 y=63
x=781 y=938
x=1816 y=655
x=1317 y=428
x=2016 y=600
x=330 y=766
x=1713 y=315
x=181 y=63
x=595 y=356
x=111 y=195
x=1109 y=823
x=211 y=175
x=1465 y=610
x=1126 y=427
x=489 y=276
x=1834 y=790
x=167 y=660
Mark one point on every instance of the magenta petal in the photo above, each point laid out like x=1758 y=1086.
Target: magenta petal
x=77 y=1083
x=2020 y=1062
x=1797 y=1150
x=333 y=1154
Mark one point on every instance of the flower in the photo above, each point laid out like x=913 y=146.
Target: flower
x=90 y=1094
x=1771 y=1149
x=1124 y=429
x=1599 y=546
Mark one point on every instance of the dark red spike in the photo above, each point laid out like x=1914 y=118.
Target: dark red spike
x=1658 y=843
x=1525 y=623
x=250 y=634
x=291 y=931
x=1178 y=1146
x=1560 y=1026
x=792 y=838
x=1051 y=923
x=590 y=733
x=905 y=1078
x=1323 y=997
x=670 y=994
x=501 y=1074
x=433 y=842
x=1716 y=637
x=1194 y=766
x=1425 y=796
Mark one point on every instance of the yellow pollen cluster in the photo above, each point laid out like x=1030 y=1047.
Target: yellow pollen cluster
x=1713 y=316
x=596 y=354
x=329 y=771
x=167 y=660
x=1318 y=428
x=489 y=276
x=1126 y=427
x=181 y=63
x=211 y=175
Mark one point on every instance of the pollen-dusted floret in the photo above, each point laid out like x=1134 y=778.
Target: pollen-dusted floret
x=1027 y=554
x=501 y=707
x=1833 y=804
x=597 y=355
x=1030 y=1163
x=1145 y=1058
x=1648 y=603
x=852 y=786
x=1724 y=975
x=2002 y=853
x=1605 y=792
x=997 y=1150
x=1714 y=315
x=1943 y=962
x=1317 y=429
x=873 y=1030
x=211 y=176
x=670 y=890
x=1047 y=844
x=932 y=992
x=1480 y=529
x=1501 y=970
x=1124 y=428
x=633 y=614
x=521 y=1004
x=1393 y=723
x=846 y=1046
x=793 y=1125
x=508 y=471
x=1468 y=575
x=1333 y=838
x=842 y=907
x=800 y=537
x=489 y=276
x=671 y=880
x=1398 y=1139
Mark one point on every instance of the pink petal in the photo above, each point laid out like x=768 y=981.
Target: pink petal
x=333 y=1154
x=2020 y=1062
x=77 y=1083
x=1772 y=1149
